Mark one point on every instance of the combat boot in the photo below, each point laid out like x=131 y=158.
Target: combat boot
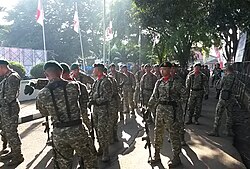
x=15 y=160
x=196 y=122
x=156 y=157
x=105 y=155
x=175 y=162
x=189 y=121
x=214 y=132
x=182 y=138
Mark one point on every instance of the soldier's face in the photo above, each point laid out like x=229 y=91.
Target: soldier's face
x=95 y=71
x=197 y=68
x=165 y=71
x=112 y=69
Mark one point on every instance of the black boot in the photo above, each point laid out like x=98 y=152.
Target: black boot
x=175 y=162
x=214 y=132
x=189 y=121
x=156 y=157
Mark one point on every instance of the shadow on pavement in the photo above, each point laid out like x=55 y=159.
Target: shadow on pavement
x=46 y=162
x=36 y=156
x=29 y=129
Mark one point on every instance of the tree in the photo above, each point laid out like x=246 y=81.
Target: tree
x=228 y=18
x=181 y=23
x=60 y=37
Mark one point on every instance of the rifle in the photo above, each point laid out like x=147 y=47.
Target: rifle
x=92 y=134
x=46 y=130
x=145 y=114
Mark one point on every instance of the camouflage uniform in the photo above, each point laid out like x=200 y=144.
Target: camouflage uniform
x=9 y=111
x=158 y=75
x=138 y=77
x=198 y=86
x=85 y=79
x=128 y=92
x=113 y=113
x=59 y=99
x=147 y=85
x=101 y=95
x=166 y=97
x=227 y=83
x=216 y=75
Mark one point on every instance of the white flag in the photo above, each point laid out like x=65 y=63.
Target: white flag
x=109 y=32
x=76 y=22
x=40 y=13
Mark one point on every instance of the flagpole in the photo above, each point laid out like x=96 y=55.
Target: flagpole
x=80 y=38
x=104 y=30
x=44 y=44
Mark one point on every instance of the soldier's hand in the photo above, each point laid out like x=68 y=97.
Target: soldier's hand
x=206 y=97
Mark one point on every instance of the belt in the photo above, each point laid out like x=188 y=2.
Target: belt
x=172 y=103
x=67 y=124
x=197 y=89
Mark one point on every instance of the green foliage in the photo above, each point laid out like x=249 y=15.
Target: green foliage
x=37 y=71
x=61 y=39
x=16 y=66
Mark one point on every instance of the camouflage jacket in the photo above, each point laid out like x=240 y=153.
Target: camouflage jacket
x=9 y=88
x=147 y=82
x=57 y=108
x=197 y=83
x=166 y=91
x=227 y=83
x=138 y=76
x=130 y=81
x=101 y=92
x=119 y=77
x=85 y=79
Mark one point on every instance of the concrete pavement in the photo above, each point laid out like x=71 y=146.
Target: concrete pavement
x=202 y=152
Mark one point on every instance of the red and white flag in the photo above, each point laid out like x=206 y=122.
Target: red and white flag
x=76 y=22
x=40 y=13
x=109 y=32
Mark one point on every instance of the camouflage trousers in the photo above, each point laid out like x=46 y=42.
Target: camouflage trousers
x=195 y=104
x=69 y=139
x=165 y=121
x=9 y=120
x=113 y=117
x=137 y=94
x=220 y=108
x=128 y=101
x=101 y=125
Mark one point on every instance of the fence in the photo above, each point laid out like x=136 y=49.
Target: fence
x=27 y=57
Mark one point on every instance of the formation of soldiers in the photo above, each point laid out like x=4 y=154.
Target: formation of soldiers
x=166 y=91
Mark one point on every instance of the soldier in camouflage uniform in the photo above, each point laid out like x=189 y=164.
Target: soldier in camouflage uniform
x=216 y=75
x=113 y=109
x=128 y=92
x=197 y=84
x=138 y=77
x=101 y=96
x=157 y=72
x=147 y=85
x=59 y=99
x=80 y=76
x=166 y=97
x=226 y=101
x=177 y=77
x=84 y=96
x=120 y=79
x=9 y=111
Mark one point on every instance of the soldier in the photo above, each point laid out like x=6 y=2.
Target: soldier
x=59 y=99
x=100 y=97
x=196 y=83
x=216 y=75
x=182 y=99
x=165 y=97
x=120 y=79
x=147 y=85
x=128 y=92
x=80 y=76
x=84 y=96
x=157 y=72
x=113 y=109
x=138 y=77
x=9 y=110
x=226 y=101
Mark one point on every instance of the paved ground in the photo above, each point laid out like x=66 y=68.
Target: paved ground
x=202 y=152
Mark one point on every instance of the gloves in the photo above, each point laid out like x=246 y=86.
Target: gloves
x=206 y=97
